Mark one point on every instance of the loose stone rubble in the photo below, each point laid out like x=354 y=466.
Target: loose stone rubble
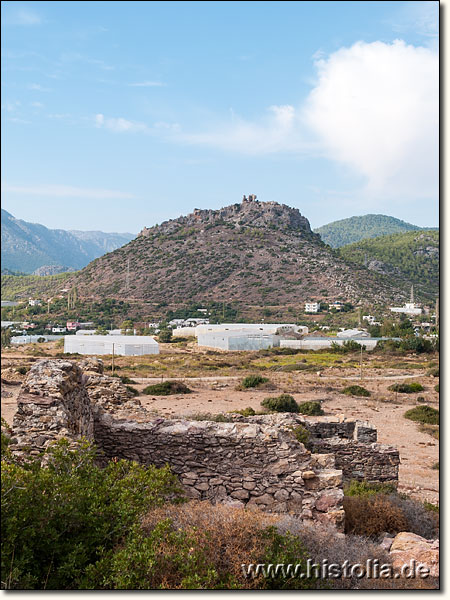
x=253 y=461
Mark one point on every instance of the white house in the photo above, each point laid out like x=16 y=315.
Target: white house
x=312 y=307
x=337 y=305
x=409 y=308
x=32 y=302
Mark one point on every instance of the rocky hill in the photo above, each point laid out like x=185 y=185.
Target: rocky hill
x=412 y=258
x=33 y=248
x=258 y=253
x=354 y=229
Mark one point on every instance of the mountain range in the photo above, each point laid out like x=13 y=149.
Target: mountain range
x=33 y=248
x=347 y=231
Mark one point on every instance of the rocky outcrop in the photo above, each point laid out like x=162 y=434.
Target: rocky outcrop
x=409 y=546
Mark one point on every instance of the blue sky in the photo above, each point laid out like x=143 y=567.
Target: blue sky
x=117 y=115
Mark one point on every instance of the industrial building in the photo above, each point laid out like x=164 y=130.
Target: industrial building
x=121 y=345
x=319 y=343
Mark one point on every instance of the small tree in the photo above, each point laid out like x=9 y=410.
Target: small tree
x=165 y=336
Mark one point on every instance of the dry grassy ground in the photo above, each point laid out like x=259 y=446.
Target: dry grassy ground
x=213 y=377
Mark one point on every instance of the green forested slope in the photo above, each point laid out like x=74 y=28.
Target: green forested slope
x=354 y=229
x=411 y=257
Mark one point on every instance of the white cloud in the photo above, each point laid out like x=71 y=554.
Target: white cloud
x=147 y=84
x=375 y=109
x=65 y=191
x=119 y=124
x=23 y=16
x=38 y=88
x=277 y=131
x=37 y=104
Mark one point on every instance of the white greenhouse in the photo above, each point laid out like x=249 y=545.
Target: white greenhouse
x=121 y=345
x=237 y=340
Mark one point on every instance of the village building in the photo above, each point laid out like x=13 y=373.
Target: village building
x=312 y=307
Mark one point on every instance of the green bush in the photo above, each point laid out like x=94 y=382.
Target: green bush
x=364 y=489
x=252 y=381
x=132 y=390
x=59 y=519
x=310 y=408
x=167 y=388
x=22 y=370
x=406 y=388
x=356 y=390
x=434 y=372
x=125 y=379
x=165 y=336
x=423 y=414
x=436 y=388
x=282 y=403
x=302 y=435
x=246 y=412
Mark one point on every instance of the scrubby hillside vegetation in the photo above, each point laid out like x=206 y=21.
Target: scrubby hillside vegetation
x=411 y=257
x=354 y=229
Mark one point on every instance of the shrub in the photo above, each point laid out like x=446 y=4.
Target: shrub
x=436 y=388
x=364 y=489
x=125 y=379
x=419 y=518
x=435 y=466
x=302 y=435
x=165 y=336
x=423 y=414
x=59 y=519
x=246 y=412
x=310 y=408
x=370 y=516
x=282 y=403
x=420 y=399
x=252 y=381
x=434 y=372
x=199 y=546
x=22 y=370
x=356 y=390
x=432 y=430
x=347 y=346
x=220 y=418
x=132 y=390
x=167 y=388
x=406 y=388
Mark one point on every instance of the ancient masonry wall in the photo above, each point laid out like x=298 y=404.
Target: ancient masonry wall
x=254 y=461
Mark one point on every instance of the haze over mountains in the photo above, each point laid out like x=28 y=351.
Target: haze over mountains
x=347 y=231
x=33 y=248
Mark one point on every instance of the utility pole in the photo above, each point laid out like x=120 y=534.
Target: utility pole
x=360 y=365
x=128 y=275
x=112 y=361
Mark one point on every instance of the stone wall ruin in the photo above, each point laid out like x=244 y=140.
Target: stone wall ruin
x=253 y=461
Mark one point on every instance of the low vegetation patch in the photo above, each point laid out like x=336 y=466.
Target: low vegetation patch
x=356 y=390
x=423 y=414
x=246 y=412
x=432 y=430
x=282 y=403
x=167 y=388
x=302 y=435
x=133 y=391
x=312 y=409
x=363 y=489
x=252 y=381
x=406 y=388
x=434 y=372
